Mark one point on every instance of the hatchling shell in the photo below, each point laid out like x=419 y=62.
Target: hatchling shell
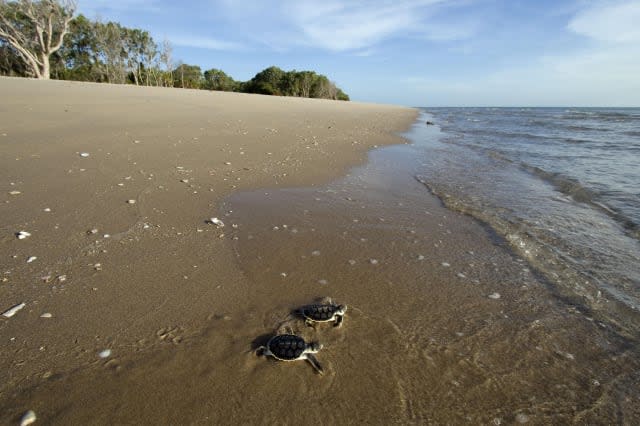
x=287 y=347
x=320 y=312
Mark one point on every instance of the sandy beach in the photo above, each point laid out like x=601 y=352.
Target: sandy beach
x=139 y=311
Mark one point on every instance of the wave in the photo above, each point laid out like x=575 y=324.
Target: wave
x=546 y=252
x=581 y=194
x=609 y=116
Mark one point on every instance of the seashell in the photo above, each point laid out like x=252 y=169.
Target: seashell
x=31 y=259
x=22 y=235
x=46 y=315
x=84 y=154
x=217 y=222
x=105 y=354
x=131 y=201
x=15 y=193
x=494 y=296
x=28 y=418
x=13 y=310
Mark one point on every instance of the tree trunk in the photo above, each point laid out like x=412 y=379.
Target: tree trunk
x=45 y=69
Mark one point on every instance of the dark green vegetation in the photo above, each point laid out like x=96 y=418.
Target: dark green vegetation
x=102 y=52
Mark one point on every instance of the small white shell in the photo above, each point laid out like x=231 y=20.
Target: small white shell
x=84 y=154
x=13 y=310
x=105 y=354
x=31 y=259
x=131 y=201
x=28 y=418
x=494 y=296
x=217 y=222
x=22 y=235
x=46 y=315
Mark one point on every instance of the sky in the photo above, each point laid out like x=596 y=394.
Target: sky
x=411 y=52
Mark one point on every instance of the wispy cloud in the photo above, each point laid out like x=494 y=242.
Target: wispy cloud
x=602 y=69
x=203 y=42
x=617 y=22
x=342 y=25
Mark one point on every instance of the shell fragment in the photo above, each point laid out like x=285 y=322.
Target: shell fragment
x=12 y=311
x=28 y=418
x=22 y=235
x=217 y=222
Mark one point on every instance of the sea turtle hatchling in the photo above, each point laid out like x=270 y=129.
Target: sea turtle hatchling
x=289 y=347
x=324 y=313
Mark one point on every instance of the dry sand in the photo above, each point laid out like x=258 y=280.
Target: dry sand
x=445 y=324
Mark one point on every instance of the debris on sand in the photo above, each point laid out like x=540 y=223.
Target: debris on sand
x=217 y=222
x=494 y=296
x=84 y=154
x=28 y=418
x=13 y=310
x=22 y=235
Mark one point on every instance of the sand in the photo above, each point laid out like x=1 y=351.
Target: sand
x=159 y=314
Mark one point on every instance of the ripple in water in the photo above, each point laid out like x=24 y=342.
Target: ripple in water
x=572 y=209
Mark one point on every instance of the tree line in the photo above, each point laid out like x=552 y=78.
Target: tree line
x=43 y=39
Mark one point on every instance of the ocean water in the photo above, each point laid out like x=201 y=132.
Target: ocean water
x=561 y=185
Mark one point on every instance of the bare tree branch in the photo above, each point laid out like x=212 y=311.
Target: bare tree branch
x=36 y=29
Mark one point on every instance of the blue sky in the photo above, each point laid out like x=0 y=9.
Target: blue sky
x=412 y=52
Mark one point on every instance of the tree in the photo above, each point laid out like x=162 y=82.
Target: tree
x=215 y=79
x=35 y=30
x=266 y=82
x=166 y=61
x=78 y=58
x=187 y=76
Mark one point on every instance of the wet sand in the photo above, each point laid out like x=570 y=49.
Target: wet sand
x=444 y=323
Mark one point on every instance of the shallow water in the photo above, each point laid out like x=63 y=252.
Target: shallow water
x=560 y=184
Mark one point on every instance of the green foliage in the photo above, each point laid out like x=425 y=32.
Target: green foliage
x=188 y=77
x=306 y=84
x=215 y=79
x=108 y=52
x=10 y=63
